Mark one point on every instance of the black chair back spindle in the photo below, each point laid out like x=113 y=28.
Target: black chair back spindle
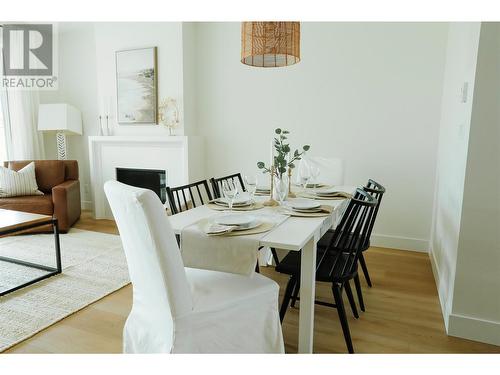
x=234 y=179
x=377 y=191
x=352 y=232
x=181 y=198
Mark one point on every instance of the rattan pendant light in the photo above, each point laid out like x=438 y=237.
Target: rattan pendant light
x=270 y=44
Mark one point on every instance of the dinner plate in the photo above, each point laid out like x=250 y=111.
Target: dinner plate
x=241 y=220
x=327 y=191
x=312 y=210
x=252 y=225
x=304 y=204
x=238 y=202
x=332 y=194
x=317 y=185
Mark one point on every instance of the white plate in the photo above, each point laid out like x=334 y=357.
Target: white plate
x=311 y=210
x=327 y=191
x=240 y=220
x=304 y=204
x=252 y=225
x=224 y=204
x=237 y=202
x=315 y=185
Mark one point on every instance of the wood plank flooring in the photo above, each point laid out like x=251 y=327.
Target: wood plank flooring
x=402 y=313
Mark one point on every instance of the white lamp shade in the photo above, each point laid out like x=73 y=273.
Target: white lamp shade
x=59 y=117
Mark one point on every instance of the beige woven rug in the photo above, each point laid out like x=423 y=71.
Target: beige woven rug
x=94 y=266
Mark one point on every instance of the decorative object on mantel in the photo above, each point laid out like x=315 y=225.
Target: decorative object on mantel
x=169 y=114
x=62 y=118
x=104 y=118
x=136 y=81
x=281 y=163
x=104 y=130
x=270 y=44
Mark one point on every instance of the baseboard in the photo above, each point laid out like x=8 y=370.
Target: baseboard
x=437 y=280
x=398 y=242
x=470 y=328
x=86 y=205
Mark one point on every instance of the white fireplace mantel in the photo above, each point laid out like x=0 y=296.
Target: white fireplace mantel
x=180 y=156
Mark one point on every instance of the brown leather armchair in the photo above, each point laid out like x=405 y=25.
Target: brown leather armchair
x=58 y=180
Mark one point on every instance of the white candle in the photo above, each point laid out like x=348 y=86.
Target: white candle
x=272 y=154
x=108 y=106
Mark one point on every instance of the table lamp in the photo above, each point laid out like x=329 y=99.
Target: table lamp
x=62 y=118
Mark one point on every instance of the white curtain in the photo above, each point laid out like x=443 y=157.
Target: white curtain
x=23 y=140
x=20 y=113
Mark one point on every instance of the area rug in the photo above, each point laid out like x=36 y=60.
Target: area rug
x=94 y=266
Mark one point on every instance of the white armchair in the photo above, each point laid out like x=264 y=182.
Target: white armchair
x=184 y=310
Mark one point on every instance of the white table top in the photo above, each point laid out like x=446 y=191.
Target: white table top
x=292 y=234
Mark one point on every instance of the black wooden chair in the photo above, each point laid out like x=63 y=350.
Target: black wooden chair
x=338 y=263
x=235 y=179
x=182 y=198
x=377 y=191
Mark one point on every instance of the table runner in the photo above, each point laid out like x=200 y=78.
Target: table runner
x=237 y=254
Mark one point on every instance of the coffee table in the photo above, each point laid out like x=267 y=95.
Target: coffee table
x=17 y=222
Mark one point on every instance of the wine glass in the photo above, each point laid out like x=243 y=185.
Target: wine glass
x=230 y=190
x=304 y=173
x=315 y=171
x=251 y=185
x=281 y=188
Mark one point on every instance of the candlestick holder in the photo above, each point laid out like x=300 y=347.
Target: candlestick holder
x=271 y=202
x=291 y=194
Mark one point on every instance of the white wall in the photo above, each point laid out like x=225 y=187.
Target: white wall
x=461 y=56
x=476 y=297
x=465 y=251
x=77 y=86
x=189 y=59
x=116 y=36
x=369 y=93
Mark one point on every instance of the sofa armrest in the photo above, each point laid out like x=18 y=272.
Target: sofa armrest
x=67 y=205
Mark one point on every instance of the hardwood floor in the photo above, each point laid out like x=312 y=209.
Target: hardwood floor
x=402 y=313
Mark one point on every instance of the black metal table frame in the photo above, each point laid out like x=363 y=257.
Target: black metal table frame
x=51 y=271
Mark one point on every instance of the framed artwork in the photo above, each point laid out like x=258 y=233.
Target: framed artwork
x=136 y=85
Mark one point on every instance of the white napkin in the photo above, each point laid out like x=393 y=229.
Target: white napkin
x=233 y=254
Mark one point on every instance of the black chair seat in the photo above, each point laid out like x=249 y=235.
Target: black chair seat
x=329 y=266
x=324 y=241
x=333 y=267
x=290 y=264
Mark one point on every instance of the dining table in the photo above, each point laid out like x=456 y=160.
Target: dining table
x=293 y=234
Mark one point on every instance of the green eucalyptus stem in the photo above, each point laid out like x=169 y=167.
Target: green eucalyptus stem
x=280 y=162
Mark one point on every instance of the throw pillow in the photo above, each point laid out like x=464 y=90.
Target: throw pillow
x=22 y=182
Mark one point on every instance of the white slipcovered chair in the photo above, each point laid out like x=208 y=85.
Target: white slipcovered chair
x=183 y=310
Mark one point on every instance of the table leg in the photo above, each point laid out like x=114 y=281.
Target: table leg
x=57 y=244
x=307 y=296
